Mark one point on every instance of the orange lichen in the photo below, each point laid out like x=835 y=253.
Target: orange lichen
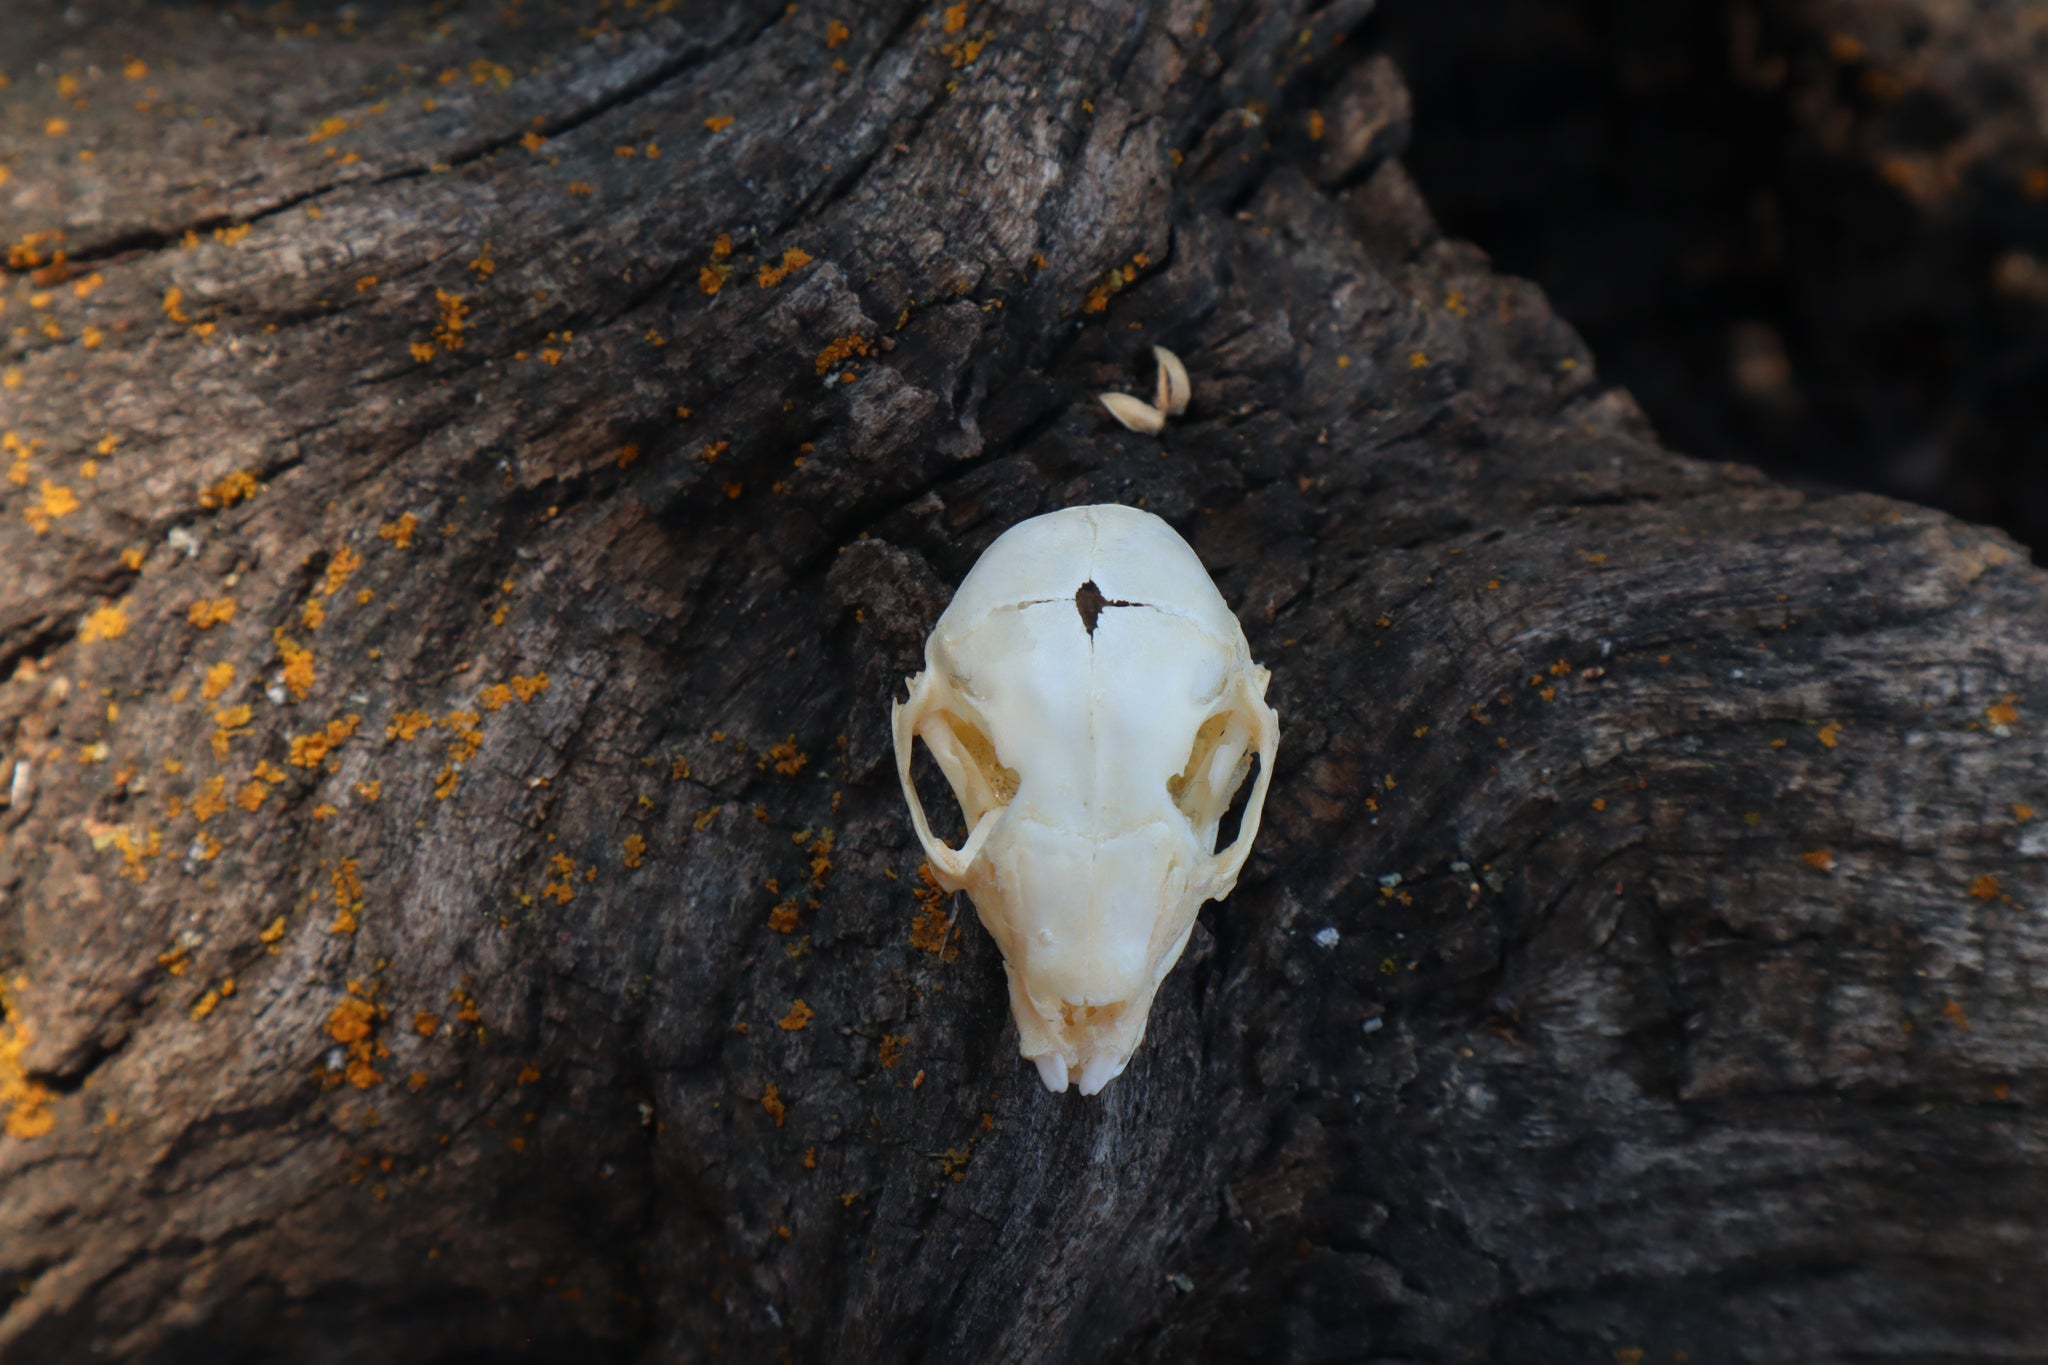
x=352 y=1023
x=798 y=1019
x=840 y=349
x=27 y=1102
x=370 y=791
x=2002 y=711
x=771 y=1102
x=426 y=1023
x=892 y=1049
x=718 y=123
x=399 y=532
x=344 y=563
x=494 y=697
x=298 y=674
x=211 y=801
x=1986 y=888
x=2022 y=813
x=788 y=759
x=1820 y=860
x=453 y=314
x=53 y=500
x=444 y=784
x=407 y=724
x=108 y=623
x=928 y=931
x=529 y=688
x=239 y=486
x=463 y=724
x=835 y=34
x=636 y=850
x=219 y=678
x=528 y=1074
x=250 y=797
x=209 y=612
x=956 y=17
x=783 y=918
x=792 y=260
x=309 y=751
x=1829 y=734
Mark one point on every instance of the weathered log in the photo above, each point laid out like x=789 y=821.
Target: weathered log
x=478 y=480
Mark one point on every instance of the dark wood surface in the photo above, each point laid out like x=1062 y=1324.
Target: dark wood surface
x=1678 y=831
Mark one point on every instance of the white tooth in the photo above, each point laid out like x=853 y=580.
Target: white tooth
x=1174 y=388
x=1099 y=1071
x=1134 y=413
x=1094 y=706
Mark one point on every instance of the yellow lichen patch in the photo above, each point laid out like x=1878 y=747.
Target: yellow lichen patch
x=134 y=850
x=53 y=500
x=108 y=623
x=239 y=486
x=219 y=678
x=928 y=930
x=453 y=314
x=26 y=1102
x=772 y=1105
x=798 y=1019
x=211 y=800
x=353 y=1024
x=209 y=612
x=312 y=614
x=494 y=697
x=274 y=931
x=407 y=724
x=330 y=127
x=298 y=674
x=835 y=34
x=463 y=724
x=526 y=689
x=250 y=797
x=1820 y=860
x=718 y=123
x=309 y=751
x=444 y=784
x=1829 y=734
x=344 y=563
x=793 y=260
x=840 y=349
x=562 y=889
x=1986 y=888
x=788 y=759
x=718 y=269
x=205 y=1005
x=636 y=850
x=783 y=918
x=228 y=722
x=370 y=791
x=426 y=1023
x=892 y=1049
x=2002 y=711
x=399 y=532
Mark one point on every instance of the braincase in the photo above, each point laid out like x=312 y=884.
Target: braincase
x=1091 y=720
x=1129 y=554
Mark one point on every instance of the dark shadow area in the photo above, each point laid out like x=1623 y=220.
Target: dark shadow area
x=1795 y=250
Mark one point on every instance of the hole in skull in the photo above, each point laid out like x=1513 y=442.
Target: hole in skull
x=970 y=778
x=1089 y=601
x=1233 y=816
x=1090 y=1016
x=1213 y=788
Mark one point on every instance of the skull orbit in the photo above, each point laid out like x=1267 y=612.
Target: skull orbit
x=1094 y=705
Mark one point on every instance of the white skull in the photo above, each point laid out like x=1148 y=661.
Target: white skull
x=1094 y=705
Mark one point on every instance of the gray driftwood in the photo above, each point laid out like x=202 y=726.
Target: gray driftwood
x=1676 y=831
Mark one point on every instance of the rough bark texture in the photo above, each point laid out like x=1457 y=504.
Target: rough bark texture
x=1677 y=829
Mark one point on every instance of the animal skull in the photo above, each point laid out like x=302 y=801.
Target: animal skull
x=1095 y=707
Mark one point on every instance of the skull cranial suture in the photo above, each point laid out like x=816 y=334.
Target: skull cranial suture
x=1094 y=705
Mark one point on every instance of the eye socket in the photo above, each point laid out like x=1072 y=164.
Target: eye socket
x=968 y=759
x=1218 y=763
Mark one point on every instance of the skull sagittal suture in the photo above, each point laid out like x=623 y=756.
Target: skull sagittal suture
x=1094 y=705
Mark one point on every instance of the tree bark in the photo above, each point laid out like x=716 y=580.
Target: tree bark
x=586 y=415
